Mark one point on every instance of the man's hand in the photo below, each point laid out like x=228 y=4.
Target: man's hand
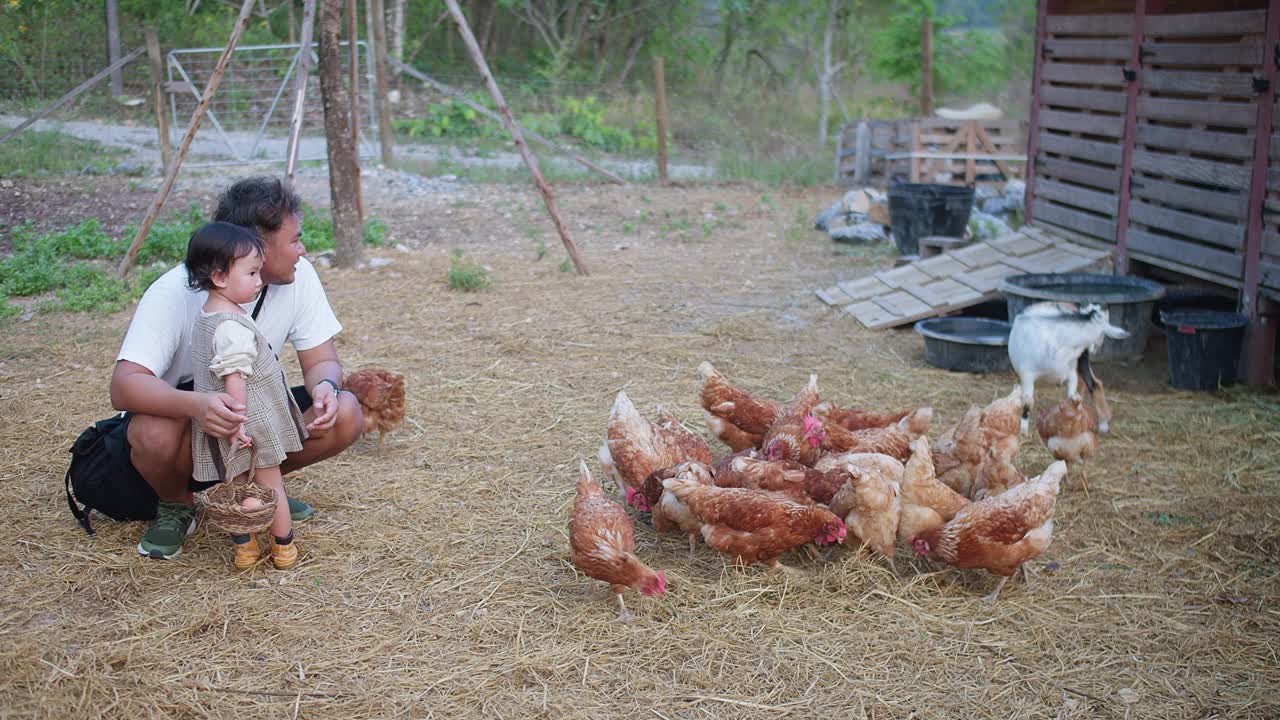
x=324 y=405
x=219 y=414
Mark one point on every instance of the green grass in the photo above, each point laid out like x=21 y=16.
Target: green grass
x=806 y=170
x=467 y=275
x=38 y=153
x=72 y=269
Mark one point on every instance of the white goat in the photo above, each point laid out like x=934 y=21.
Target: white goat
x=1053 y=340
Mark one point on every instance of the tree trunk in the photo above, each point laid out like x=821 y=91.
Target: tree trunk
x=113 y=47
x=337 y=130
x=730 y=35
x=633 y=51
x=824 y=78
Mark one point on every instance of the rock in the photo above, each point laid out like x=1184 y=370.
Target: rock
x=1015 y=190
x=998 y=205
x=984 y=192
x=857 y=201
x=986 y=227
x=131 y=168
x=380 y=262
x=879 y=213
x=6 y=184
x=860 y=234
x=823 y=222
x=403 y=248
x=322 y=261
x=90 y=170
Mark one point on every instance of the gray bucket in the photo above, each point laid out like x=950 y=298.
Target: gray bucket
x=1128 y=301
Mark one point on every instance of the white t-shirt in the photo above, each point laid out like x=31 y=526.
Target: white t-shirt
x=159 y=337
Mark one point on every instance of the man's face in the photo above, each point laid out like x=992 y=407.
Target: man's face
x=282 y=249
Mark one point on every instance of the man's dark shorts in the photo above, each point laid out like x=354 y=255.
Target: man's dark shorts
x=131 y=476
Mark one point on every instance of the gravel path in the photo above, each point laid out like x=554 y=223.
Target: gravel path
x=212 y=146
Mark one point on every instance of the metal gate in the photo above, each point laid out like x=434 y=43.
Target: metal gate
x=248 y=119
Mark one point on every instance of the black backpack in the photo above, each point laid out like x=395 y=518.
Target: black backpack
x=102 y=478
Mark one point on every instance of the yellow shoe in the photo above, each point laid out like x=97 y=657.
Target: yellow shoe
x=284 y=556
x=247 y=554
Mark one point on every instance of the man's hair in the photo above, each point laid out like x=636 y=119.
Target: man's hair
x=213 y=248
x=258 y=203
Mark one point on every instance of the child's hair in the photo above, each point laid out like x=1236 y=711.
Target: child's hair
x=213 y=248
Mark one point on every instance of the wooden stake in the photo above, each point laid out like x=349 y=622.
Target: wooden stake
x=300 y=90
x=171 y=173
x=926 y=68
x=478 y=58
x=74 y=93
x=355 y=104
x=378 y=16
x=660 y=96
x=462 y=98
x=157 y=96
x=293 y=23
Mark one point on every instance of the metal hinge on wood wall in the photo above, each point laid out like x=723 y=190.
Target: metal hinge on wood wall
x=1130 y=74
x=1145 y=52
x=1261 y=84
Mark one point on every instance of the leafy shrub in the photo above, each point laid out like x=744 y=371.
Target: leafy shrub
x=584 y=119
x=452 y=118
x=467 y=275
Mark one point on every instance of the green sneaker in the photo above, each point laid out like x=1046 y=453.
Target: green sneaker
x=300 y=511
x=163 y=540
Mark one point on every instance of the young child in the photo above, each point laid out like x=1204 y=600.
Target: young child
x=229 y=354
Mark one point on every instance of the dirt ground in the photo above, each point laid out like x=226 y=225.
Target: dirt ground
x=435 y=581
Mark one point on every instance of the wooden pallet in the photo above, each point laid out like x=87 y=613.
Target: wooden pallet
x=956 y=279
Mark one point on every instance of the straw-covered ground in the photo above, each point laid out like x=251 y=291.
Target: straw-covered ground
x=435 y=582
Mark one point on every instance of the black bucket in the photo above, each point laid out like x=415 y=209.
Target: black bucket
x=966 y=344
x=1127 y=299
x=1191 y=299
x=1204 y=347
x=919 y=210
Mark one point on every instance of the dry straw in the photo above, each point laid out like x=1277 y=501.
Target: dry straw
x=435 y=580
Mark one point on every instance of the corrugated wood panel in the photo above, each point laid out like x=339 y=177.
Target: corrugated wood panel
x=1219 y=262
x=1082 y=73
x=1193 y=169
x=1088 y=49
x=1242 y=22
x=1233 y=114
x=1071 y=97
x=1244 y=53
x=863 y=288
x=1099 y=177
x=902 y=303
x=1198 y=83
x=1017 y=244
x=1075 y=220
x=1094 y=150
x=1232 y=204
x=1087 y=123
x=871 y=314
x=905 y=275
x=977 y=255
x=1227 y=235
x=946 y=292
x=1201 y=141
x=987 y=278
x=941 y=266
x=1119 y=24
x=1077 y=196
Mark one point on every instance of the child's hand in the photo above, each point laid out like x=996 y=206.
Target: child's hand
x=241 y=438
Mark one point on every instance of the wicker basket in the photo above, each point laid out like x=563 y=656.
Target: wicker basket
x=222 y=504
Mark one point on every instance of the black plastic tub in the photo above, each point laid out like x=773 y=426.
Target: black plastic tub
x=919 y=210
x=966 y=344
x=1204 y=347
x=1191 y=299
x=1127 y=299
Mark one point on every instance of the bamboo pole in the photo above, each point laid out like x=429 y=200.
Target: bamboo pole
x=660 y=95
x=355 y=104
x=378 y=41
x=462 y=98
x=507 y=120
x=300 y=90
x=74 y=93
x=157 y=96
x=171 y=173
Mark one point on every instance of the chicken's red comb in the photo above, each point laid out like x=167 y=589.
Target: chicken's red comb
x=811 y=423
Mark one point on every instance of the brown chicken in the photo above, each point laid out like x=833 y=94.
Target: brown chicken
x=381 y=396
x=1068 y=431
x=796 y=434
x=635 y=447
x=755 y=526
x=800 y=483
x=927 y=503
x=740 y=420
x=1001 y=532
x=855 y=419
x=894 y=440
x=996 y=473
x=958 y=452
x=602 y=541
x=871 y=503
x=1002 y=418
x=669 y=514
x=723 y=470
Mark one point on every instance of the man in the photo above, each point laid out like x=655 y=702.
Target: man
x=152 y=377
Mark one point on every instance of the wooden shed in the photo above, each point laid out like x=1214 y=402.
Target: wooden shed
x=1153 y=133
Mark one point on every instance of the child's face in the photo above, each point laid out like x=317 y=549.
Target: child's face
x=243 y=281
